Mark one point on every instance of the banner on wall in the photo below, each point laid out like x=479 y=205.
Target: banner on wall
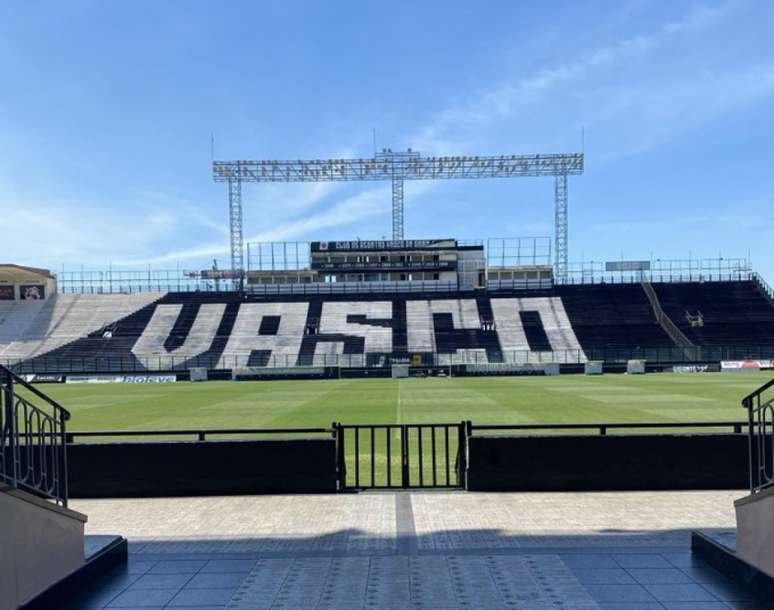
x=43 y=378
x=690 y=368
x=121 y=378
x=746 y=365
x=32 y=292
x=6 y=293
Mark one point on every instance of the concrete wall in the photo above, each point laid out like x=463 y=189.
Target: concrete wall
x=202 y=468
x=40 y=543
x=613 y=462
x=755 y=530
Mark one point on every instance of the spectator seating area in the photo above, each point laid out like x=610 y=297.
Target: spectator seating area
x=32 y=328
x=67 y=333
x=733 y=313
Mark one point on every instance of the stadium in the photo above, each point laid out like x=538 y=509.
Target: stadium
x=389 y=365
x=525 y=361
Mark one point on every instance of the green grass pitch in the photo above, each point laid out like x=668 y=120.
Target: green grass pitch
x=563 y=399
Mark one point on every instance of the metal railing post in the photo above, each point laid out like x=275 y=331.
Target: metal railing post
x=64 y=491
x=341 y=464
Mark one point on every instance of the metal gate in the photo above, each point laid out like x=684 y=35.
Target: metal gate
x=401 y=456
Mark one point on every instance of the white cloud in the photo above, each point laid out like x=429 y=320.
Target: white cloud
x=443 y=135
x=630 y=119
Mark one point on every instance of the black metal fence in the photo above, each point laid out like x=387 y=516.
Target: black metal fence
x=401 y=456
x=408 y=456
x=760 y=413
x=33 y=450
x=132 y=364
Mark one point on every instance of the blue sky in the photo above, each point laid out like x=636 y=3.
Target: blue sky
x=106 y=111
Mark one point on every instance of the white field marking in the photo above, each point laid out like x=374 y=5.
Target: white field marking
x=399 y=405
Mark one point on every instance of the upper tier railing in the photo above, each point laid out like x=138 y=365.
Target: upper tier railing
x=33 y=454
x=117 y=281
x=760 y=413
x=765 y=288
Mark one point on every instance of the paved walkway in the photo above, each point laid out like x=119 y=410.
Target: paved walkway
x=416 y=550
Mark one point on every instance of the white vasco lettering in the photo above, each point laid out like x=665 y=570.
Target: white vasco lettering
x=284 y=346
x=150 y=346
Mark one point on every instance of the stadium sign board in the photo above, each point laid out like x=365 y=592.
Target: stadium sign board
x=691 y=368
x=627 y=266
x=121 y=378
x=746 y=365
x=381 y=244
x=43 y=378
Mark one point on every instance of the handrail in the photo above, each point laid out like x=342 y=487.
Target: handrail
x=764 y=286
x=201 y=433
x=748 y=399
x=602 y=427
x=33 y=451
x=30 y=388
x=663 y=319
x=760 y=417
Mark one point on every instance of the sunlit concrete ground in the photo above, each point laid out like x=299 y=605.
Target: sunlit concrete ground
x=416 y=550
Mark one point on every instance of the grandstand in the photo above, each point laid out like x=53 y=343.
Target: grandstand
x=662 y=320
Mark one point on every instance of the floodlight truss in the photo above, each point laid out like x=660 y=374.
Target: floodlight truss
x=397 y=167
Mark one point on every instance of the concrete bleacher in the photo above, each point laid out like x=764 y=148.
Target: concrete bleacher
x=249 y=336
x=227 y=329
x=733 y=313
x=605 y=316
x=196 y=327
x=32 y=328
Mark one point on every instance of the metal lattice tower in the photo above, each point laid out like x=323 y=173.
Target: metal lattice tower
x=397 y=208
x=560 y=226
x=235 y=221
x=398 y=167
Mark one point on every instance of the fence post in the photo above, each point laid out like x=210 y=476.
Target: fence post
x=404 y=465
x=465 y=429
x=341 y=465
x=10 y=423
x=751 y=452
x=63 y=491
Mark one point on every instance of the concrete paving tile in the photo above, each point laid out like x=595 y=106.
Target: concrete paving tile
x=138 y=566
x=201 y=597
x=229 y=565
x=170 y=566
x=726 y=590
x=704 y=573
x=589 y=561
x=680 y=593
x=143 y=598
x=603 y=576
x=662 y=576
x=681 y=559
x=619 y=593
x=215 y=580
x=160 y=581
x=642 y=561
